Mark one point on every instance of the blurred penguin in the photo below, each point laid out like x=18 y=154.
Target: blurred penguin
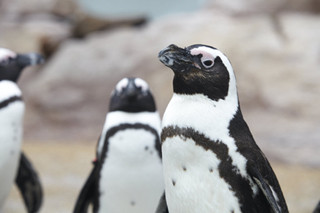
x=127 y=175
x=14 y=165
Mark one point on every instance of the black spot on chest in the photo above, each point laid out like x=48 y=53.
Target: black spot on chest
x=173 y=182
x=226 y=169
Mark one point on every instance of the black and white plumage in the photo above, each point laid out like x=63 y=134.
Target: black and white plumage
x=11 y=63
x=211 y=162
x=127 y=175
x=14 y=165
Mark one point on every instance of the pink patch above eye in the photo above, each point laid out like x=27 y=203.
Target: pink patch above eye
x=206 y=56
x=203 y=53
x=6 y=54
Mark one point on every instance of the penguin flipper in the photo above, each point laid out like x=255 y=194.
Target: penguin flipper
x=162 y=206
x=29 y=185
x=265 y=188
x=88 y=191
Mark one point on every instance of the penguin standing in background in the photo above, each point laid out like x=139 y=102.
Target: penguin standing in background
x=14 y=165
x=211 y=162
x=127 y=175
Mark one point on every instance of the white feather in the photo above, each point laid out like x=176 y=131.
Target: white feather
x=118 y=117
x=208 y=117
x=131 y=177
x=206 y=52
x=11 y=118
x=141 y=83
x=122 y=84
x=192 y=180
x=8 y=89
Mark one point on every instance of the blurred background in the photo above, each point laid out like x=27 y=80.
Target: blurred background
x=90 y=45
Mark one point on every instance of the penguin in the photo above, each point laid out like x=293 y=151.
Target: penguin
x=14 y=164
x=127 y=173
x=210 y=160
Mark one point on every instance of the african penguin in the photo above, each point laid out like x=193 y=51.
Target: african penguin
x=211 y=162
x=14 y=165
x=127 y=176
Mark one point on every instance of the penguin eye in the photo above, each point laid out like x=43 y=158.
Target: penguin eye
x=207 y=62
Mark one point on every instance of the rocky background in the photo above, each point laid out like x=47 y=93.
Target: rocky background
x=274 y=47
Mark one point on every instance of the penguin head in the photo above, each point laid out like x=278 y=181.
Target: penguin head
x=132 y=95
x=11 y=64
x=199 y=69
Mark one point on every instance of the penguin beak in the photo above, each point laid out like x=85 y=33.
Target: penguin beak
x=176 y=58
x=131 y=91
x=30 y=59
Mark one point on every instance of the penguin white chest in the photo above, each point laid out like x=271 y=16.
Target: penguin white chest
x=192 y=179
x=10 y=144
x=131 y=176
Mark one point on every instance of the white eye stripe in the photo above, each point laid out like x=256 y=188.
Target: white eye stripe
x=122 y=84
x=138 y=82
x=141 y=83
x=204 y=51
x=214 y=53
x=5 y=54
x=207 y=58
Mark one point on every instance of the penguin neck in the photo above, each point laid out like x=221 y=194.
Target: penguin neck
x=116 y=118
x=8 y=89
x=201 y=113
